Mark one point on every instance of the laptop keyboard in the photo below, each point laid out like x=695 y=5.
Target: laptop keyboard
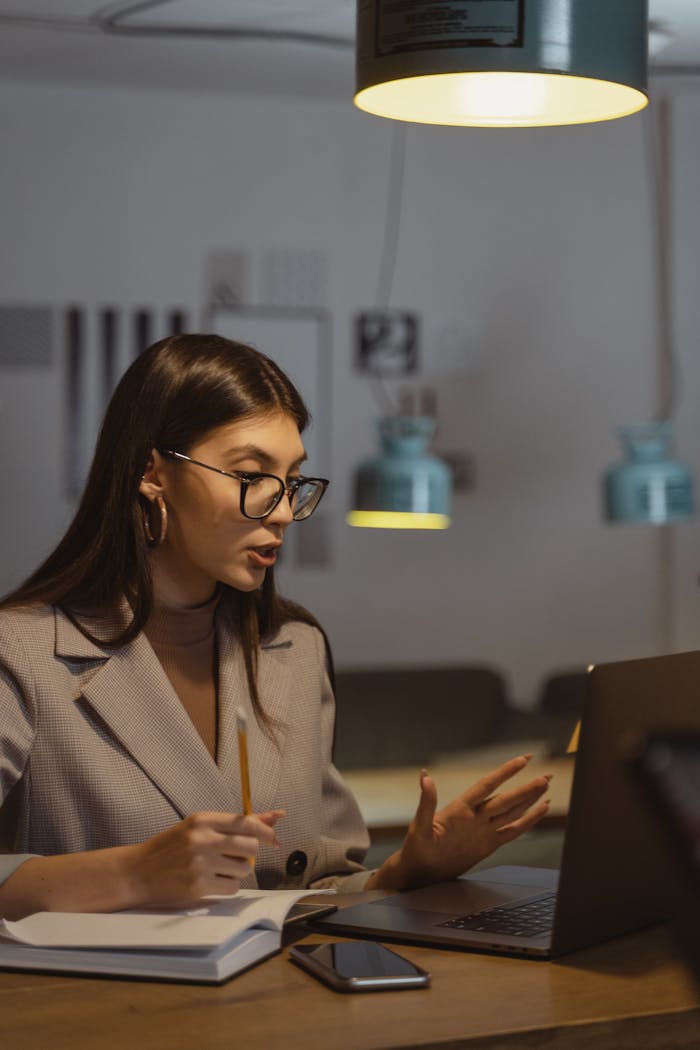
x=514 y=920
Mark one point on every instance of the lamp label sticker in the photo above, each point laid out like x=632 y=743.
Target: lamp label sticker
x=409 y=25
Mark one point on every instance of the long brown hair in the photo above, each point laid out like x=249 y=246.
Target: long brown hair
x=172 y=395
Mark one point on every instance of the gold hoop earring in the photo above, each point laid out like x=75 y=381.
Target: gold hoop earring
x=155 y=541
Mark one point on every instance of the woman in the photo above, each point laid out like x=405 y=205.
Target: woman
x=124 y=657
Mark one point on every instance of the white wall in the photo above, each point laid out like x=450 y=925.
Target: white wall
x=538 y=242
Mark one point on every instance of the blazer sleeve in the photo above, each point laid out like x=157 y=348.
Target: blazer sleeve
x=344 y=837
x=17 y=729
x=9 y=862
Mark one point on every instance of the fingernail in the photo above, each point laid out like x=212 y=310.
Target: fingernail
x=527 y=757
x=548 y=776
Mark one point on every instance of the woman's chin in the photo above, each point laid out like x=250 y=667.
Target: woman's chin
x=248 y=582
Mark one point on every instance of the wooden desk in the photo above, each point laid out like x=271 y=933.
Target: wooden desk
x=626 y=995
x=388 y=797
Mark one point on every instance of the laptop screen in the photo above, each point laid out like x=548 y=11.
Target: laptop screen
x=614 y=878
x=668 y=766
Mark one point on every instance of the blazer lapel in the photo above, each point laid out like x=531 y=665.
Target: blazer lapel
x=274 y=679
x=133 y=696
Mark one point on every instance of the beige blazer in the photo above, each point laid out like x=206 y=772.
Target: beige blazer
x=96 y=749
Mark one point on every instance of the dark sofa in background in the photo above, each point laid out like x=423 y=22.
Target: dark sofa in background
x=411 y=716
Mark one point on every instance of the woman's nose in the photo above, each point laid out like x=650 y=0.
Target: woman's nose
x=282 y=513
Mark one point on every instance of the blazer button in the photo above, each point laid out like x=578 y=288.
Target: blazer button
x=296 y=862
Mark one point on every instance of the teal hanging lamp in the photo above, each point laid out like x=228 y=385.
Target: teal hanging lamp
x=502 y=63
x=649 y=487
x=405 y=487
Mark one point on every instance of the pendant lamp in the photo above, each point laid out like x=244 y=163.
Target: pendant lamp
x=501 y=63
x=405 y=487
x=649 y=487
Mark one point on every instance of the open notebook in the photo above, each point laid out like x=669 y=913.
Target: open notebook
x=209 y=944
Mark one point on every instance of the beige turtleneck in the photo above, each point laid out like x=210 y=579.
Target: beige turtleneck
x=184 y=640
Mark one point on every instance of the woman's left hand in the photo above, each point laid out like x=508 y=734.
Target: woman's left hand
x=442 y=845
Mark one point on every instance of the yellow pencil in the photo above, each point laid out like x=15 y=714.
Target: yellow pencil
x=242 y=728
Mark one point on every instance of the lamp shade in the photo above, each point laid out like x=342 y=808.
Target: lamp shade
x=502 y=63
x=405 y=487
x=649 y=487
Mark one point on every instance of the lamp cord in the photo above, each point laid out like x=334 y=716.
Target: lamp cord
x=389 y=249
x=392 y=220
x=110 y=20
x=657 y=141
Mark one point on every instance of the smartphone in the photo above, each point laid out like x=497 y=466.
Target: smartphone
x=358 y=966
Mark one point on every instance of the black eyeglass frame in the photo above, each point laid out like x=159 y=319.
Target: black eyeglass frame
x=247 y=477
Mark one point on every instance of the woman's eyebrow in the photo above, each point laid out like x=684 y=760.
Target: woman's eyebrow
x=298 y=462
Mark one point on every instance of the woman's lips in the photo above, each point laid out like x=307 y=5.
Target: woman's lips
x=263 y=557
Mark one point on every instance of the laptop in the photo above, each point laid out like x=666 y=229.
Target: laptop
x=613 y=878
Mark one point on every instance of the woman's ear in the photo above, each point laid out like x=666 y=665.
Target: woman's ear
x=151 y=484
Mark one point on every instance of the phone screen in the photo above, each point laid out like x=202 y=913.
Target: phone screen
x=358 y=965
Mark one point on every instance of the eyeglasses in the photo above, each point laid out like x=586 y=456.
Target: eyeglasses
x=261 y=493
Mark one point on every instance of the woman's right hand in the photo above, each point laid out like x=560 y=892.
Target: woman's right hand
x=206 y=853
